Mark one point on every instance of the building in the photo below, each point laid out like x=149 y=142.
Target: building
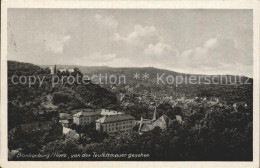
x=67 y=116
x=161 y=122
x=115 y=123
x=65 y=123
x=146 y=125
x=65 y=130
x=42 y=127
x=105 y=112
x=54 y=70
x=87 y=116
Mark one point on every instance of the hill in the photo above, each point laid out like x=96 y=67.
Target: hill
x=25 y=101
x=159 y=83
x=155 y=73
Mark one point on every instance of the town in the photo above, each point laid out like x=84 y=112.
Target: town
x=154 y=84
x=90 y=118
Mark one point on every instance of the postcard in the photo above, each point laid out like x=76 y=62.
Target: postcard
x=129 y=84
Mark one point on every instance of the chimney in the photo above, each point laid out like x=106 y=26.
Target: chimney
x=142 y=119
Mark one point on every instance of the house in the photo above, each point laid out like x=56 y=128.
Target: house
x=87 y=116
x=105 y=112
x=162 y=122
x=37 y=127
x=115 y=123
x=65 y=123
x=65 y=130
x=148 y=125
x=42 y=127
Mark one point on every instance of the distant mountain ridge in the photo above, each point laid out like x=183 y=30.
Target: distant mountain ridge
x=93 y=69
x=153 y=72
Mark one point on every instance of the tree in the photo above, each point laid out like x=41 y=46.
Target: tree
x=60 y=97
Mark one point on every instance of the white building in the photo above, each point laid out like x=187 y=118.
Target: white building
x=115 y=123
x=54 y=70
x=87 y=116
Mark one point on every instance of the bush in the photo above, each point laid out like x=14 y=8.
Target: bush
x=60 y=97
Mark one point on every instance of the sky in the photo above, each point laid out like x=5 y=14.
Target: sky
x=197 y=41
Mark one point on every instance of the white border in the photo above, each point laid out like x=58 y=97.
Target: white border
x=129 y=5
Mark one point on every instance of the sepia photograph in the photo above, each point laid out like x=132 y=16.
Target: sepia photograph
x=130 y=84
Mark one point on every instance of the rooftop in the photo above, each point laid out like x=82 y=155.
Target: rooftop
x=95 y=112
x=64 y=121
x=86 y=113
x=115 y=118
x=38 y=126
x=110 y=112
x=161 y=122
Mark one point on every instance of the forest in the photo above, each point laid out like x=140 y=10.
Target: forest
x=209 y=133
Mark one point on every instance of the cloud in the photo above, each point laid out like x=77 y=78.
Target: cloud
x=107 y=21
x=52 y=42
x=135 y=48
x=214 y=53
x=142 y=35
x=107 y=38
x=106 y=25
x=145 y=46
x=220 y=55
x=160 y=49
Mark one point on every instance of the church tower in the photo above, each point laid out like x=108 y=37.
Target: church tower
x=55 y=69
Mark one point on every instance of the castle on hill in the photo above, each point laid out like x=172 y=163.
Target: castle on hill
x=55 y=70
